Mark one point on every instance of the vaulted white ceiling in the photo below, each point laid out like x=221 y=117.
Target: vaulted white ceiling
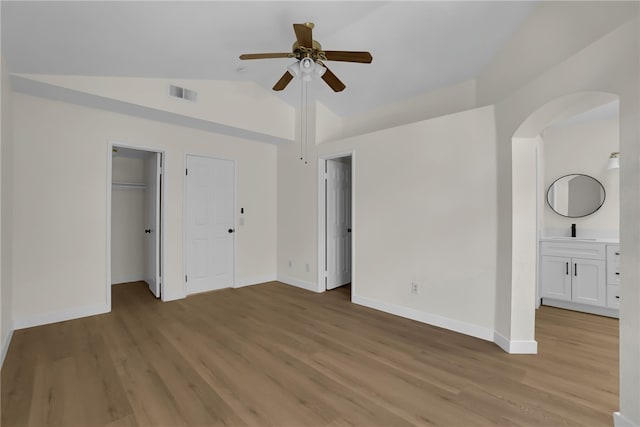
x=417 y=46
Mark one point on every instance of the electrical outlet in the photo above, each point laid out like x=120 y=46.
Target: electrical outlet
x=290 y=264
x=308 y=267
x=415 y=288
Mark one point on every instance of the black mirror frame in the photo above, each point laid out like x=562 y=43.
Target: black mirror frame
x=604 y=195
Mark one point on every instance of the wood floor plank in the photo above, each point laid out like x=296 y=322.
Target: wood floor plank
x=273 y=355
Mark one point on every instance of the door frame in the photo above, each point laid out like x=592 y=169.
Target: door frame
x=322 y=218
x=184 y=217
x=110 y=145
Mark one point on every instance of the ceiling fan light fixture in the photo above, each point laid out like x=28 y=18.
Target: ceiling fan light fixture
x=294 y=69
x=307 y=65
x=319 y=69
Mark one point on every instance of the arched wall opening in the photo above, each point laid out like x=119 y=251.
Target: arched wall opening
x=528 y=190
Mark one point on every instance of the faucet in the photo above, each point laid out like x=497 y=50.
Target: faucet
x=573 y=230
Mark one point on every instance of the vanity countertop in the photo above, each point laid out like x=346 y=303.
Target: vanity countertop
x=579 y=239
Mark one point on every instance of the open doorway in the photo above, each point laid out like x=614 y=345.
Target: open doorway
x=563 y=259
x=335 y=216
x=135 y=215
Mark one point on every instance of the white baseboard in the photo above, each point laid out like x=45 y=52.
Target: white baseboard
x=298 y=283
x=5 y=346
x=59 y=316
x=254 y=281
x=173 y=297
x=586 y=308
x=620 y=420
x=516 y=346
x=429 y=318
x=119 y=280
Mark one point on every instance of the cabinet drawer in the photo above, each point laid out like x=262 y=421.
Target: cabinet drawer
x=613 y=264
x=574 y=250
x=613 y=296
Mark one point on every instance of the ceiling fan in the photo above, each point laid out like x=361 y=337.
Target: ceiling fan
x=310 y=55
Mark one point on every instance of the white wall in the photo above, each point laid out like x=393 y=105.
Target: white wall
x=60 y=222
x=6 y=284
x=524 y=235
x=242 y=105
x=127 y=222
x=583 y=148
x=610 y=64
x=555 y=31
x=414 y=187
x=447 y=100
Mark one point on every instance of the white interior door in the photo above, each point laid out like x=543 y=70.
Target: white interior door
x=153 y=172
x=210 y=223
x=338 y=222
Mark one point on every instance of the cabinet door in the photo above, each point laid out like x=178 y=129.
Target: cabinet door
x=588 y=284
x=613 y=265
x=556 y=277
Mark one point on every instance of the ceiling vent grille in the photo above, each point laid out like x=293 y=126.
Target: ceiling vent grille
x=183 y=93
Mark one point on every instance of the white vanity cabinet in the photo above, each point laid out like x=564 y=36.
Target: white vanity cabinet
x=613 y=276
x=574 y=275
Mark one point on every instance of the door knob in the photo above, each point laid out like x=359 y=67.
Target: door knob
x=231 y=230
x=148 y=231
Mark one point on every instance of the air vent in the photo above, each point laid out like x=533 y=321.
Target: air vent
x=183 y=93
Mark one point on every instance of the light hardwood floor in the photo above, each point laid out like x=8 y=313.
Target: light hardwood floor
x=273 y=355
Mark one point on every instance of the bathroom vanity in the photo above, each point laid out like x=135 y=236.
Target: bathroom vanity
x=580 y=274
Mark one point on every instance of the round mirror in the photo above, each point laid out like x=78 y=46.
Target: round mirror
x=576 y=195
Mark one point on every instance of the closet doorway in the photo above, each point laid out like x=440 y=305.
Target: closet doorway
x=335 y=222
x=136 y=217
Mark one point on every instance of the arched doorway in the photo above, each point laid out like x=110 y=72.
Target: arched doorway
x=528 y=190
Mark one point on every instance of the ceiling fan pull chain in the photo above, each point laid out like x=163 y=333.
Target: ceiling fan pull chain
x=306 y=117
x=302 y=123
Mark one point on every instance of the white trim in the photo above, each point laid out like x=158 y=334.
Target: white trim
x=256 y=280
x=313 y=287
x=130 y=279
x=586 y=308
x=515 y=346
x=173 y=297
x=163 y=172
x=620 y=420
x=108 y=283
x=501 y=341
x=5 y=345
x=60 y=316
x=322 y=160
x=429 y=318
x=321 y=287
x=184 y=218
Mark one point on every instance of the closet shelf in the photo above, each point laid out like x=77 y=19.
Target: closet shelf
x=128 y=186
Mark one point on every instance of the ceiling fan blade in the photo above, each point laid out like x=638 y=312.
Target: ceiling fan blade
x=283 y=82
x=303 y=34
x=265 y=55
x=343 y=55
x=333 y=81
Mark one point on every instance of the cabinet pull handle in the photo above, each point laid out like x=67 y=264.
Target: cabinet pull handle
x=575 y=269
x=617 y=296
x=617 y=253
x=567 y=269
x=617 y=273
